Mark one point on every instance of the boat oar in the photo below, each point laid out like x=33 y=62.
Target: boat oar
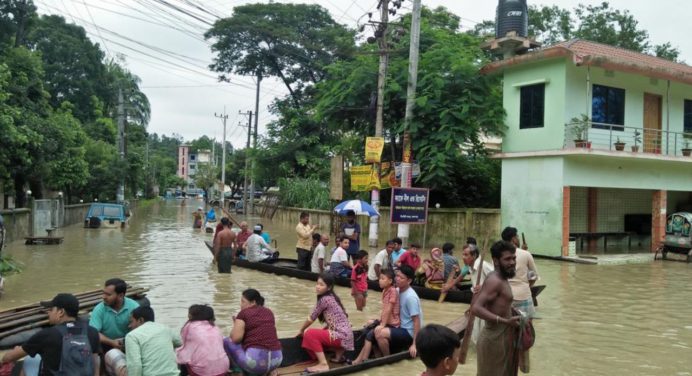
x=469 y=324
x=228 y=214
x=449 y=284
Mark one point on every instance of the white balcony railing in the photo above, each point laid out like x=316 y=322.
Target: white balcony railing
x=632 y=139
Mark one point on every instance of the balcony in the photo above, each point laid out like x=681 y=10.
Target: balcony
x=600 y=136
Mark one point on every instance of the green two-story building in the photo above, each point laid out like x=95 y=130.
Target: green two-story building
x=570 y=108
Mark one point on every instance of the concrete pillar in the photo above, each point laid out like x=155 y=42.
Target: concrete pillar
x=658 y=218
x=592 y=217
x=565 y=220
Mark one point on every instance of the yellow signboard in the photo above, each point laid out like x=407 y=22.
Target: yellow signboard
x=388 y=176
x=360 y=178
x=373 y=149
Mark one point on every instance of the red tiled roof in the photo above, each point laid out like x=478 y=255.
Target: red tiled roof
x=584 y=52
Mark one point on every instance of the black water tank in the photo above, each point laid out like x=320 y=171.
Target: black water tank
x=512 y=15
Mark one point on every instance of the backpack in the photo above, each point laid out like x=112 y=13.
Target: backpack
x=76 y=357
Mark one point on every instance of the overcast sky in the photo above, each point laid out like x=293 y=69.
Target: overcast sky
x=184 y=94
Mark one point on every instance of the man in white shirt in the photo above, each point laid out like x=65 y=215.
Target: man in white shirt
x=317 y=264
x=256 y=249
x=526 y=274
x=381 y=261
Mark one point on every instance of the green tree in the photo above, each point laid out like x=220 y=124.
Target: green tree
x=206 y=176
x=293 y=42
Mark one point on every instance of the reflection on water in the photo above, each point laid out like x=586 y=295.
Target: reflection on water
x=595 y=320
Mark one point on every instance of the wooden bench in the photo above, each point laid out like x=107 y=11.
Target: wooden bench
x=604 y=235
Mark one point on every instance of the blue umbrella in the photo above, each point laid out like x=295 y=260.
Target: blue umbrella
x=360 y=207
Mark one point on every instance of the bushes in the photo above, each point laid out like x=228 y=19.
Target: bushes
x=304 y=193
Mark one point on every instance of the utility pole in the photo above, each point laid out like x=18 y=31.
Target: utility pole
x=247 y=158
x=223 y=118
x=381 y=78
x=254 y=145
x=120 y=194
x=403 y=229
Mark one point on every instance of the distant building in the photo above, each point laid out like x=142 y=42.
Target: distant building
x=569 y=108
x=189 y=163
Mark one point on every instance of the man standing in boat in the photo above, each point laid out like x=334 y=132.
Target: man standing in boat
x=224 y=244
x=351 y=231
x=304 y=231
x=496 y=353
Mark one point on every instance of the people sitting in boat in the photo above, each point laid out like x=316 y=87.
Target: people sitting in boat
x=433 y=270
x=150 y=346
x=451 y=262
x=389 y=315
x=398 y=251
x=254 y=345
x=210 y=216
x=319 y=254
x=42 y=352
x=410 y=257
x=411 y=314
x=241 y=238
x=336 y=335
x=111 y=317
x=359 y=279
x=439 y=348
x=223 y=247
x=381 y=261
x=339 y=265
x=257 y=250
x=202 y=352
x=197 y=218
x=471 y=259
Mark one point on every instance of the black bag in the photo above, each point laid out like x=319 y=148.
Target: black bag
x=76 y=357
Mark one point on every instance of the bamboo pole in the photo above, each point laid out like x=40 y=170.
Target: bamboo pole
x=469 y=324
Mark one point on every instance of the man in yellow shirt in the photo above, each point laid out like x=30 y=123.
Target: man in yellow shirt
x=304 y=230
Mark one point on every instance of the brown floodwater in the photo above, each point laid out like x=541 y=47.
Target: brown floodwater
x=594 y=320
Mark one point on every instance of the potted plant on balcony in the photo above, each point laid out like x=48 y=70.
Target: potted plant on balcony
x=637 y=141
x=619 y=145
x=657 y=145
x=687 y=151
x=580 y=126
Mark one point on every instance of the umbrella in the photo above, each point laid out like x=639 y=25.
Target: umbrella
x=360 y=207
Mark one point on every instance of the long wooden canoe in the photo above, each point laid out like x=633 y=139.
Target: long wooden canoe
x=295 y=359
x=288 y=267
x=19 y=323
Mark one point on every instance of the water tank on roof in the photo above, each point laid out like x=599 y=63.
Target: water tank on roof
x=512 y=15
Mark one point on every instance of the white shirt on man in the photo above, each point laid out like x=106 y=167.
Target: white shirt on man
x=381 y=259
x=520 y=283
x=257 y=248
x=319 y=253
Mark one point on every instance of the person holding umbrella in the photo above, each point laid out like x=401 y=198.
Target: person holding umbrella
x=351 y=230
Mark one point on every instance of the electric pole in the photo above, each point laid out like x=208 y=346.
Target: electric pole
x=120 y=194
x=247 y=158
x=403 y=229
x=254 y=145
x=381 y=35
x=223 y=118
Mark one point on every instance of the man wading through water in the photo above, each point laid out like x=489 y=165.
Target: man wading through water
x=224 y=244
x=497 y=355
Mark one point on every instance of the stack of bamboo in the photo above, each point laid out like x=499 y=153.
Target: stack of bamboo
x=31 y=316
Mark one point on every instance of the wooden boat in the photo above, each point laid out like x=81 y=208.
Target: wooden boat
x=20 y=323
x=288 y=267
x=295 y=359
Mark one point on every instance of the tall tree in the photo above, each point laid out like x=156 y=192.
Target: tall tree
x=293 y=42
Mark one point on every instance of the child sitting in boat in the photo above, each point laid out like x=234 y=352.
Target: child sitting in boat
x=438 y=348
x=202 y=352
x=389 y=316
x=359 y=279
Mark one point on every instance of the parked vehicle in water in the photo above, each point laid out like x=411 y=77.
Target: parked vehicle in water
x=105 y=215
x=678 y=234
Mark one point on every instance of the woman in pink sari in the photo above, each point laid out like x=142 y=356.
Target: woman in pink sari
x=202 y=352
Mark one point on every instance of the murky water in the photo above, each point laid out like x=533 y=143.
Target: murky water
x=595 y=320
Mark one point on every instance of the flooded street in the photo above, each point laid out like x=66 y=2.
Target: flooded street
x=594 y=320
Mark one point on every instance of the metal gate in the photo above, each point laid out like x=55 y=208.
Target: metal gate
x=46 y=214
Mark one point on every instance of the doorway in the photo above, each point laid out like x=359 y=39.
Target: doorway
x=652 y=123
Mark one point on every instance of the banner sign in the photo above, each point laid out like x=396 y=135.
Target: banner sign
x=373 y=149
x=409 y=205
x=415 y=170
x=388 y=176
x=360 y=178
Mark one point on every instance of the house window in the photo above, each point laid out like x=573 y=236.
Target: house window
x=192 y=167
x=192 y=157
x=688 y=116
x=183 y=171
x=532 y=106
x=608 y=107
